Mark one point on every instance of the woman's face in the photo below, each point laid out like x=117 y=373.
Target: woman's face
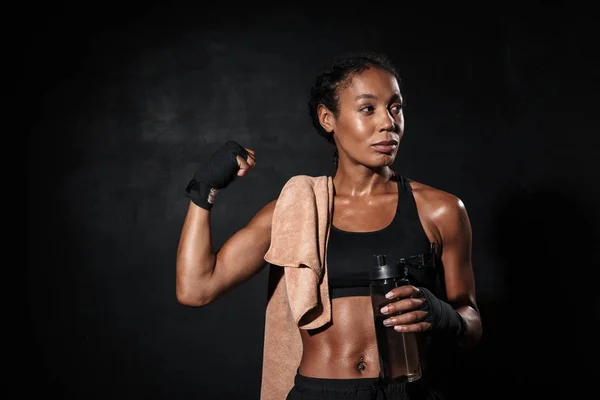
x=370 y=123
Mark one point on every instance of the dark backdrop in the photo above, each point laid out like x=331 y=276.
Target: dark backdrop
x=123 y=102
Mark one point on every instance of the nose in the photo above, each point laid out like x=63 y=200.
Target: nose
x=388 y=122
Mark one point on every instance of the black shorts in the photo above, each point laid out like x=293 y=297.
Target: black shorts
x=307 y=388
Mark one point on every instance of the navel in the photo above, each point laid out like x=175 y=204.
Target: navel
x=361 y=365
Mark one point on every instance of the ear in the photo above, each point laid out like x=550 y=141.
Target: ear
x=326 y=118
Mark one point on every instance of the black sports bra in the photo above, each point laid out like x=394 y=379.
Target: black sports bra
x=350 y=254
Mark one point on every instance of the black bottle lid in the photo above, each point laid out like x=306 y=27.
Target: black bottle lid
x=380 y=260
x=382 y=270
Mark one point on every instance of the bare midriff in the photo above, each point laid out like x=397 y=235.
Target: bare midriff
x=346 y=348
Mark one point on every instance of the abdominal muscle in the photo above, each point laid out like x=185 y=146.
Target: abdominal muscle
x=347 y=347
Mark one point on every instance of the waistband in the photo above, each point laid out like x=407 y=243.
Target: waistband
x=355 y=388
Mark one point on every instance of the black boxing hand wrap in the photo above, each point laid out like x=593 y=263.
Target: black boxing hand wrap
x=220 y=170
x=441 y=315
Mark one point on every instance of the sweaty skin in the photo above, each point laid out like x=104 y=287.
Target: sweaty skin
x=347 y=348
x=367 y=131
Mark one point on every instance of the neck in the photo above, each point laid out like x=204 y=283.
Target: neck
x=362 y=181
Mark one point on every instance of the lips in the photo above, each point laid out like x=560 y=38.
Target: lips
x=386 y=143
x=385 y=146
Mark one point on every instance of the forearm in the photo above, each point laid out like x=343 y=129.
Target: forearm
x=473 y=331
x=195 y=258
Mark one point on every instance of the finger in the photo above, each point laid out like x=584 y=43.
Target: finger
x=251 y=160
x=408 y=319
x=244 y=166
x=250 y=152
x=418 y=327
x=413 y=317
x=403 y=305
x=401 y=292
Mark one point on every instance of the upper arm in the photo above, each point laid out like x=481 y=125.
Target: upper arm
x=450 y=227
x=455 y=230
x=242 y=255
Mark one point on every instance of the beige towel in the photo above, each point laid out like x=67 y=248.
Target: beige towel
x=298 y=292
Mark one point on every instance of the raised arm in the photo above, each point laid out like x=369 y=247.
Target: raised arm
x=202 y=274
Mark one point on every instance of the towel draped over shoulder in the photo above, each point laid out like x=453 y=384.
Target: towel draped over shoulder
x=298 y=290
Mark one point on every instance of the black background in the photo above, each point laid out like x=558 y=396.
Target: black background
x=121 y=102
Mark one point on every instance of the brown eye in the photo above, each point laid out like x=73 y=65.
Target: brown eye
x=396 y=108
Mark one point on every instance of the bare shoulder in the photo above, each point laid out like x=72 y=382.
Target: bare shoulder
x=446 y=211
x=437 y=200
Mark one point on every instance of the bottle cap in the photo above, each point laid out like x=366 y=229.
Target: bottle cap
x=381 y=269
x=380 y=260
